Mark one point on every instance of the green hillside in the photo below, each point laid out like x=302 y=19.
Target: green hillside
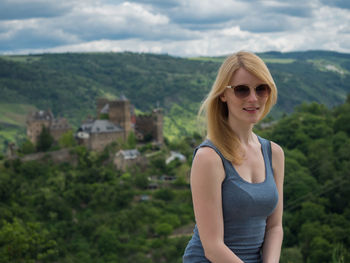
x=69 y=84
x=92 y=212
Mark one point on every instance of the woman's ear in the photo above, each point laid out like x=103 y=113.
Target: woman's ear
x=223 y=97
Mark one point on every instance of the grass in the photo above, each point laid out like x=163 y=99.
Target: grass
x=182 y=122
x=15 y=114
x=209 y=59
x=279 y=60
x=109 y=95
x=266 y=60
x=21 y=58
x=13 y=122
x=325 y=65
x=10 y=134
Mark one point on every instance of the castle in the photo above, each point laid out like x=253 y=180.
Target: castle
x=115 y=120
x=36 y=121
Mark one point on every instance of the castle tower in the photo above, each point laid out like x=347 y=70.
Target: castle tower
x=157 y=117
x=36 y=121
x=118 y=112
x=101 y=103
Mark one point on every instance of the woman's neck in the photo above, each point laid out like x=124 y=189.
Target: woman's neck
x=244 y=132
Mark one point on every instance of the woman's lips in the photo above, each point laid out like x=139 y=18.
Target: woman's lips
x=251 y=109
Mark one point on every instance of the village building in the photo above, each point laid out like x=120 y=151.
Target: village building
x=36 y=121
x=152 y=186
x=168 y=178
x=126 y=158
x=175 y=155
x=142 y=198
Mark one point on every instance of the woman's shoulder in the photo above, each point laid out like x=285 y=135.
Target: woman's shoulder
x=277 y=158
x=208 y=163
x=207 y=150
x=277 y=150
x=207 y=154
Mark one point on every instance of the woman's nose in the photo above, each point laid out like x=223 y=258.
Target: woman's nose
x=252 y=95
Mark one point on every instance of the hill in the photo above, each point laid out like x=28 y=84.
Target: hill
x=91 y=212
x=69 y=84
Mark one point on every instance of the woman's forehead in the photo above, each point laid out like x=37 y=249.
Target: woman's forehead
x=243 y=76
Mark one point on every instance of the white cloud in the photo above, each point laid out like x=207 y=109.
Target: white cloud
x=182 y=27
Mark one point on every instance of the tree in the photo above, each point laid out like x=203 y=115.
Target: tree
x=131 y=140
x=25 y=242
x=27 y=147
x=67 y=140
x=163 y=229
x=45 y=140
x=141 y=180
x=164 y=194
x=320 y=250
x=291 y=254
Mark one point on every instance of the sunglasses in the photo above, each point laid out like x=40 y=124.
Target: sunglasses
x=243 y=91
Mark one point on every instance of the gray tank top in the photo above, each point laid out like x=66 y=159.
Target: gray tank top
x=245 y=206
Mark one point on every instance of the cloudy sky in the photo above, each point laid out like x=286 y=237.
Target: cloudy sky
x=176 y=27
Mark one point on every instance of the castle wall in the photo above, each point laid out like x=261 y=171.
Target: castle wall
x=59 y=127
x=36 y=120
x=60 y=156
x=144 y=124
x=34 y=128
x=98 y=141
x=56 y=134
x=151 y=125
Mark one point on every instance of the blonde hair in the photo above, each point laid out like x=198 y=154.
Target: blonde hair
x=216 y=112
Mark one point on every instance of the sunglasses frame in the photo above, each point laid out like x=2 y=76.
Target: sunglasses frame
x=248 y=94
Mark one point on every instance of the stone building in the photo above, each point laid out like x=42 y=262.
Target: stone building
x=125 y=158
x=36 y=121
x=118 y=111
x=115 y=120
x=97 y=134
x=150 y=126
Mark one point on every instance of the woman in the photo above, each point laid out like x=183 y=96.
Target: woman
x=237 y=176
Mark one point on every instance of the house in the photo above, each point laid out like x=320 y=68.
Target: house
x=175 y=155
x=126 y=158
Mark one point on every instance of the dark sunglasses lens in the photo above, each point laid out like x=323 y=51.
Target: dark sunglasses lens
x=242 y=91
x=263 y=91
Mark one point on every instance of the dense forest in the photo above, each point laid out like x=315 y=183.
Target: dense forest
x=91 y=212
x=69 y=84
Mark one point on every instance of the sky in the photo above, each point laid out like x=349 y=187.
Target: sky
x=176 y=27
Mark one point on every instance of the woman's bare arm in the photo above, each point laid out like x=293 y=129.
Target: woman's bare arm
x=274 y=230
x=207 y=174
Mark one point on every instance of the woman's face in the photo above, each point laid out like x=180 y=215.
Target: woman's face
x=244 y=106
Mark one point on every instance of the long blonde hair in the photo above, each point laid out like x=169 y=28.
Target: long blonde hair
x=218 y=129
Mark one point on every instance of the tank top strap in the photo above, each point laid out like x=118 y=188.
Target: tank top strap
x=267 y=152
x=208 y=143
x=229 y=170
x=266 y=149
